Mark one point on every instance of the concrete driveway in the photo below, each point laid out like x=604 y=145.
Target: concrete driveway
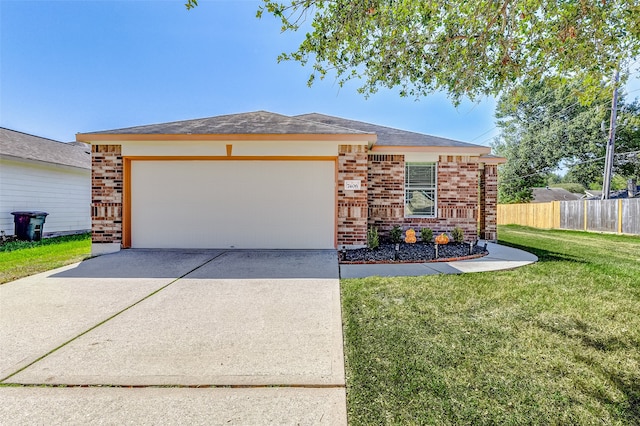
x=176 y=336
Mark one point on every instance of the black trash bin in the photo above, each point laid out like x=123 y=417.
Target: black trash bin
x=29 y=225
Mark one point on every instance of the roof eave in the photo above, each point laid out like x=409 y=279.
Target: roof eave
x=472 y=150
x=491 y=160
x=38 y=161
x=368 y=138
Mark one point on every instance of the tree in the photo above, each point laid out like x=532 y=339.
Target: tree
x=548 y=127
x=583 y=168
x=465 y=48
x=540 y=130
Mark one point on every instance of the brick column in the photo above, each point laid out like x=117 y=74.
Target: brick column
x=106 y=195
x=352 y=205
x=488 y=180
x=386 y=191
x=458 y=194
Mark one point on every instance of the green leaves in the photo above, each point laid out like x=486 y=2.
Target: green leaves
x=468 y=49
x=547 y=125
x=190 y=4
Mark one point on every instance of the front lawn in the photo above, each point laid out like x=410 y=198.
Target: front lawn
x=557 y=342
x=20 y=258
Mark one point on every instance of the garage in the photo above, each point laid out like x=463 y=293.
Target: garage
x=232 y=204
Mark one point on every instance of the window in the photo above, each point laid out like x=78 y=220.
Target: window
x=420 y=189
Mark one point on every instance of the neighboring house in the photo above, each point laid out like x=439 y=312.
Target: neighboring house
x=632 y=191
x=546 y=195
x=39 y=174
x=264 y=180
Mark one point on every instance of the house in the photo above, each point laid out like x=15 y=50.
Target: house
x=548 y=194
x=265 y=180
x=39 y=174
x=632 y=191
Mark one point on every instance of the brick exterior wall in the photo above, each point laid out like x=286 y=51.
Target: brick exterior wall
x=352 y=205
x=457 y=200
x=379 y=202
x=106 y=193
x=489 y=202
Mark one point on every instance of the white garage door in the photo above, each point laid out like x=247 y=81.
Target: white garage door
x=241 y=204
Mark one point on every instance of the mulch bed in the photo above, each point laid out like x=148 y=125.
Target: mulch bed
x=413 y=253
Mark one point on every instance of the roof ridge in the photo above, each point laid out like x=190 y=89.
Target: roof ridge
x=376 y=125
x=177 y=121
x=388 y=127
x=268 y=122
x=392 y=136
x=298 y=117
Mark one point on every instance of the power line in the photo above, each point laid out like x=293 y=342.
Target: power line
x=573 y=165
x=602 y=103
x=543 y=103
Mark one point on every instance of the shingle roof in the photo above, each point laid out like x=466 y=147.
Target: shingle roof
x=268 y=123
x=613 y=195
x=544 y=195
x=259 y=122
x=387 y=136
x=22 y=145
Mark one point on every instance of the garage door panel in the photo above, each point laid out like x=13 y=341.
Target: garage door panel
x=242 y=204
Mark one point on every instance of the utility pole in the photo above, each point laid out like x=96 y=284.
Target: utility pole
x=608 y=162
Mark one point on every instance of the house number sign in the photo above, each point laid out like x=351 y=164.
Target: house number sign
x=351 y=185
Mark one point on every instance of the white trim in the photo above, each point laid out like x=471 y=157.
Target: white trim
x=239 y=148
x=45 y=163
x=404 y=189
x=421 y=157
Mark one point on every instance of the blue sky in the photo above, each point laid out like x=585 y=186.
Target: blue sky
x=80 y=66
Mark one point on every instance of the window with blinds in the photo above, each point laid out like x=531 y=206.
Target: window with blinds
x=420 y=183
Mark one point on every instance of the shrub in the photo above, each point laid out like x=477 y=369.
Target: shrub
x=373 y=241
x=457 y=234
x=426 y=234
x=396 y=235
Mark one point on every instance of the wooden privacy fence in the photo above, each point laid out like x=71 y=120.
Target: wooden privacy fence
x=621 y=216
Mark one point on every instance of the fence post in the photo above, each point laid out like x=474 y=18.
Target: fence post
x=555 y=212
x=620 y=216
x=585 y=215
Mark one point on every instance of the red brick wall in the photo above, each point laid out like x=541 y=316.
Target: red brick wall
x=489 y=202
x=106 y=193
x=457 y=198
x=352 y=205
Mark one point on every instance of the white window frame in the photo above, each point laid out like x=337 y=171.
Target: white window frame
x=421 y=187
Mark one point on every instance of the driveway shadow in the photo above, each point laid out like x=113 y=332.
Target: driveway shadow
x=271 y=264
x=141 y=263
x=208 y=264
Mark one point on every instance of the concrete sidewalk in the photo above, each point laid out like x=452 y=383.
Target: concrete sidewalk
x=259 y=332
x=499 y=258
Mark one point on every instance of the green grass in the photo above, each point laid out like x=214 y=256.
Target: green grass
x=20 y=258
x=557 y=342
